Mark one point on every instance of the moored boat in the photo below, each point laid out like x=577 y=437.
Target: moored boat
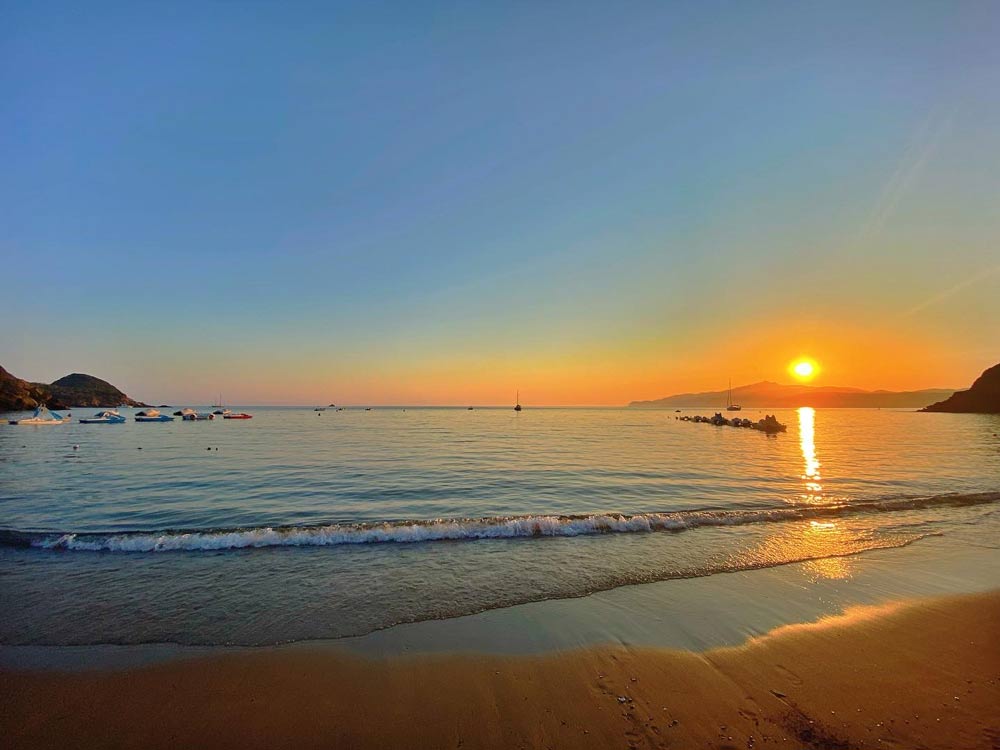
x=730 y=406
x=41 y=416
x=770 y=425
x=190 y=415
x=109 y=416
x=241 y=415
x=152 y=415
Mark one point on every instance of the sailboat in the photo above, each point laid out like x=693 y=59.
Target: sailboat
x=220 y=409
x=517 y=402
x=730 y=406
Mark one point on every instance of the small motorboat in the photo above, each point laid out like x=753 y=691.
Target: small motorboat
x=320 y=408
x=190 y=415
x=41 y=416
x=241 y=415
x=152 y=415
x=110 y=416
x=770 y=425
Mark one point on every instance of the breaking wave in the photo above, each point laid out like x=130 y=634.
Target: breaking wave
x=455 y=529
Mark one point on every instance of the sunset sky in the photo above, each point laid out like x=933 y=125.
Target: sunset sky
x=408 y=203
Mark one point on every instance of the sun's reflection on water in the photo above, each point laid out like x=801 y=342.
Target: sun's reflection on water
x=822 y=544
x=827 y=536
x=807 y=442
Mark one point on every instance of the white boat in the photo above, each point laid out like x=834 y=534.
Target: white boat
x=110 y=416
x=190 y=415
x=152 y=415
x=41 y=416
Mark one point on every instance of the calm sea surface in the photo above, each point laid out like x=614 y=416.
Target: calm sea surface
x=300 y=524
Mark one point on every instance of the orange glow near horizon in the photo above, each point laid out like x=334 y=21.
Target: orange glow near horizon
x=548 y=373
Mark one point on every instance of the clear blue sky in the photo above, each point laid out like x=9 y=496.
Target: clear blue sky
x=433 y=202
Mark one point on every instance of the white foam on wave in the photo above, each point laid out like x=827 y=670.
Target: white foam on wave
x=402 y=533
x=506 y=527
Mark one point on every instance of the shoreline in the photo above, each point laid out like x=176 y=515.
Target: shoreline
x=691 y=614
x=916 y=672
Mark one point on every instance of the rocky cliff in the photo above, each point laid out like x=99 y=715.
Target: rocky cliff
x=17 y=394
x=73 y=390
x=982 y=398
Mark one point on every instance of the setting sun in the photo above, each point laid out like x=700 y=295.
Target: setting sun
x=804 y=369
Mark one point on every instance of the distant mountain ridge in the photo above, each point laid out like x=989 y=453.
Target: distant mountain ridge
x=775 y=395
x=982 y=398
x=76 y=389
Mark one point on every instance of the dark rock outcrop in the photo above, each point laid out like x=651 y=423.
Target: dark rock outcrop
x=982 y=398
x=73 y=390
x=18 y=395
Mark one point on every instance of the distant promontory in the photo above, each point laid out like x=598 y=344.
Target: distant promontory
x=982 y=398
x=73 y=390
x=775 y=395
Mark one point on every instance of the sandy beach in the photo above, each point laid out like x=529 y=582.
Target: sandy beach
x=920 y=673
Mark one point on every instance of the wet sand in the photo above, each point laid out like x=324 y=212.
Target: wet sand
x=923 y=673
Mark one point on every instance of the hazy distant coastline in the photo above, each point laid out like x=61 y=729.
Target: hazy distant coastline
x=775 y=395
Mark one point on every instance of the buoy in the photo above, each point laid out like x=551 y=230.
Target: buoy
x=76 y=447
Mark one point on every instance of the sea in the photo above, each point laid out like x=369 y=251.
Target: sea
x=303 y=525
